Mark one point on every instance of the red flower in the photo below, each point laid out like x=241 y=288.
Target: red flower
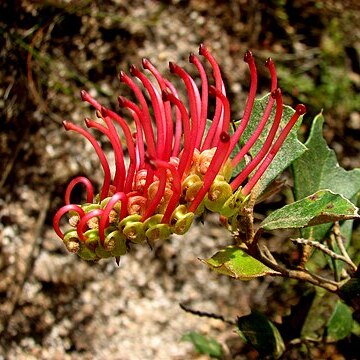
x=179 y=162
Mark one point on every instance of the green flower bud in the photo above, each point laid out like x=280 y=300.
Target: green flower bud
x=191 y=186
x=192 y=191
x=181 y=220
x=133 y=228
x=92 y=238
x=152 y=221
x=219 y=192
x=158 y=232
x=71 y=241
x=118 y=243
x=109 y=242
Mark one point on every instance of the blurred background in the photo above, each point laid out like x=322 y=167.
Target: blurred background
x=52 y=304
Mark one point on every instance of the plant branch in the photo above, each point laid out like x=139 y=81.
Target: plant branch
x=325 y=250
x=330 y=241
x=302 y=275
x=268 y=254
x=340 y=244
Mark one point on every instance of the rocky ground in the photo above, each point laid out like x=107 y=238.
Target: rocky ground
x=52 y=304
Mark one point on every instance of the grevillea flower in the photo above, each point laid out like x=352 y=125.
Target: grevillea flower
x=179 y=164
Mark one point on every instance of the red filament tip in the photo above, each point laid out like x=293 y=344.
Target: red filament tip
x=248 y=56
x=224 y=136
x=300 y=109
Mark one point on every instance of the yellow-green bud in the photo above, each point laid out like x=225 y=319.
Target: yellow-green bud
x=71 y=241
x=158 y=232
x=181 y=220
x=133 y=228
x=219 y=192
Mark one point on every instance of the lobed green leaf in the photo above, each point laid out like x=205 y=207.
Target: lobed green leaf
x=321 y=207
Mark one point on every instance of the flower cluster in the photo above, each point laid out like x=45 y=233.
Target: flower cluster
x=178 y=163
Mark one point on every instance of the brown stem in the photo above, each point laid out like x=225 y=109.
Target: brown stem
x=295 y=274
x=340 y=244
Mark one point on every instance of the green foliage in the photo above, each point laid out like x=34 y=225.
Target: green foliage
x=204 y=345
x=321 y=207
x=340 y=324
x=324 y=193
x=318 y=169
x=317 y=315
x=262 y=334
x=236 y=263
x=326 y=319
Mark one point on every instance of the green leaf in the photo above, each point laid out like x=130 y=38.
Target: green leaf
x=262 y=334
x=236 y=263
x=318 y=169
x=203 y=344
x=322 y=207
x=340 y=324
x=318 y=315
x=291 y=149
